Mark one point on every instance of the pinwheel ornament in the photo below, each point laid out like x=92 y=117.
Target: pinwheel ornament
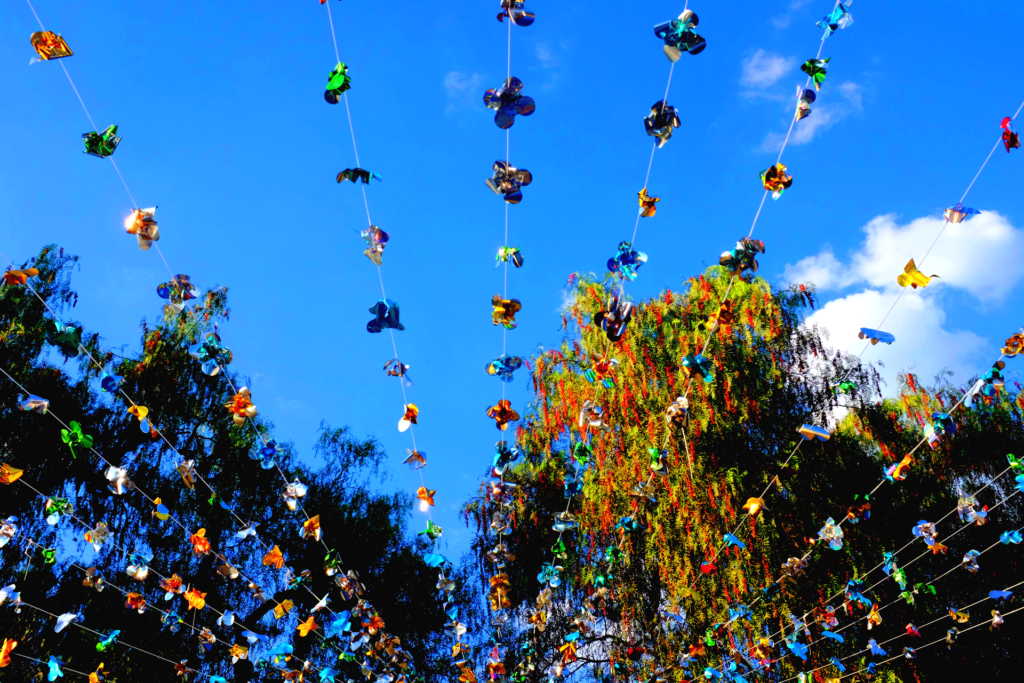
x=54 y=666
x=177 y=290
x=926 y=530
x=396 y=368
x=8 y=474
x=103 y=144
x=698 y=366
x=409 y=418
x=34 y=404
x=815 y=68
x=509 y=101
x=1014 y=345
x=648 y=203
x=661 y=121
x=602 y=369
x=754 y=506
x=776 y=180
x=502 y=414
x=913 y=277
x=811 y=432
x=804 y=99
x=506 y=254
x=875 y=336
x=376 y=239
x=679 y=36
x=615 y=318
x=899 y=471
x=68 y=339
x=211 y=353
x=142 y=224
x=311 y=528
x=75 y=437
x=941 y=424
x=508 y=181
x=241 y=407
x=1010 y=139
x=503 y=366
x=19 y=277
x=677 y=415
x=387 y=317
x=48 y=45
x=292 y=493
x=504 y=311
x=338 y=81
x=592 y=415
x=626 y=261
x=838 y=18
x=354 y=174
x=516 y=13
x=743 y=257
x=970 y=561
x=956 y=214
x=832 y=533
x=988 y=385
x=416 y=460
x=724 y=315
x=5 y=651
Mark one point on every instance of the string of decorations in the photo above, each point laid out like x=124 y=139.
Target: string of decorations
x=985 y=387
x=179 y=290
x=99 y=534
x=387 y=317
x=855 y=592
x=507 y=182
x=68 y=339
x=679 y=36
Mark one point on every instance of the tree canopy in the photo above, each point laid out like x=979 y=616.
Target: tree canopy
x=647 y=586
x=367 y=563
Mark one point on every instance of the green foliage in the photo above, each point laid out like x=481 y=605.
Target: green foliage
x=366 y=526
x=771 y=374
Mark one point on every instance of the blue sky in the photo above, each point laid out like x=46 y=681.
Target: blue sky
x=225 y=128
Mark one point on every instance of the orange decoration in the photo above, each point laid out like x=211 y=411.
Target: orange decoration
x=9 y=475
x=311 y=528
x=426 y=495
x=136 y=601
x=200 y=544
x=274 y=558
x=307 y=627
x=19 y=277
x=5 y=652
x=196 y=600
x=502 y=414
x=283 y=608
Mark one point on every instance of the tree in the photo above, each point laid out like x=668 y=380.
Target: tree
x=647 y=574
x=366 y=527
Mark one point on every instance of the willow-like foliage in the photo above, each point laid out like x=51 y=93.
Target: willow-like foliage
x=771 y=374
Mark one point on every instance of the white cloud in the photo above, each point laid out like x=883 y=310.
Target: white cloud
x=965 y=258
x=463 y=89
x=922 y=344
x=546 y=56
x=823 y=117
x=823 y=269
x=781 y=21
x=568 y=300
x=962 y=258
x=763 y=69
x=976 y=255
